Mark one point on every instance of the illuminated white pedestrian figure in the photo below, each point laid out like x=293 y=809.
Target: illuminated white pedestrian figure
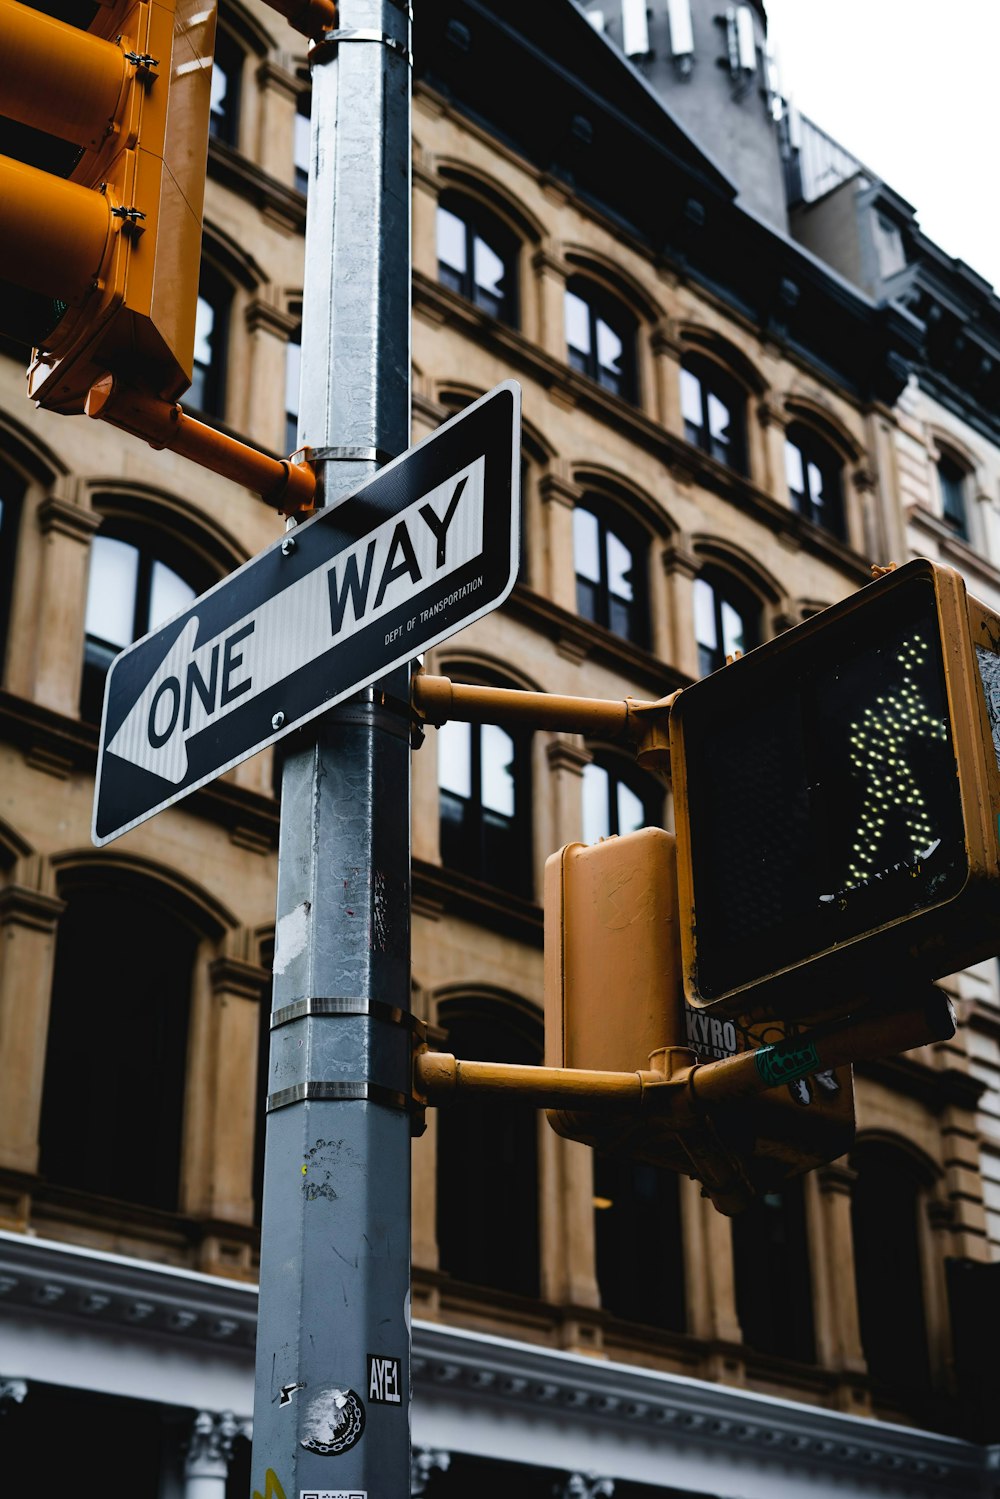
x=879 y=757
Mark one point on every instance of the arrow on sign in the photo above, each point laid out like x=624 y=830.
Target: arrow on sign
x=199 y=682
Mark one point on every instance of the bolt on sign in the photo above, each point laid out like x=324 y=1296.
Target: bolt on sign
x=837 y=800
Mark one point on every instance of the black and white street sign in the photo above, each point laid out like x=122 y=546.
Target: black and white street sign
x=427 y=546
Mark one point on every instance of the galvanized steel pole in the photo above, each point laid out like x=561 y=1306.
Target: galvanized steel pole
x=331 y=1411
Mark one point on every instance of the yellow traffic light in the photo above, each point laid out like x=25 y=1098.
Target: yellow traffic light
x=613 y=1003
x=837 y=794
x=116 y=247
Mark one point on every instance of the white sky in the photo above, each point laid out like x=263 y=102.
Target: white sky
x=910 y=87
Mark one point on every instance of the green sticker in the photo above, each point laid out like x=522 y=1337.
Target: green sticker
x=786 y=1061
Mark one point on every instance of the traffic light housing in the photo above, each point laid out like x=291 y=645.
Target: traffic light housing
x=836 y=797
x=112 y=249
x=613 y=1003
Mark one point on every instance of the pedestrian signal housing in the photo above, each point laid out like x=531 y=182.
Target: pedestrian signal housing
x=101 y=191
x=613 y=1003
x=837 y=794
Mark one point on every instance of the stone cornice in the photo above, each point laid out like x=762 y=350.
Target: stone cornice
x=236 y=976
x=283 y=204
x=163 y=1307
x=34 y=729
x=473 y=900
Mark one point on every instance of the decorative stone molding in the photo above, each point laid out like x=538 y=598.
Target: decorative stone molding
x=423 y=1462
x=12 y=1392
x=265 y=317
x=30 y=908
x=837 y=1177
x=210 y=1445
x=584 y=1486
x=66 y=519
x=567 y=754
x=234 y=976
x=560 y=490
x=664 y=339
x=771 y=413
x=271 y=76
x=680 y=561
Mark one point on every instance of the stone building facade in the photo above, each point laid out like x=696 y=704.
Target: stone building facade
x=713 y=431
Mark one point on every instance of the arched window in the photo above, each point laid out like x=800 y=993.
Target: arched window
x=953 y=482
x=726 y=619
x=114 y=1077
x=618 y=799
x=713 y=406
x=487 y=1156
x=211 y=336
x=773 y=1284
x=610 y=560
x=293 y=380
x=886 y=1201
x=484 y=794
x=227 y=69
x=477 y=256
x=601 y=337
x=814 y=473
x=138 y=579
x=300 y=142
x=637 y=1228
x=11 y=493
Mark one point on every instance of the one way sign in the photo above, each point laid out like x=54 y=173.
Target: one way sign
x=428 y=545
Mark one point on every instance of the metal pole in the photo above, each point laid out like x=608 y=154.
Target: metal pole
x=331 y=1407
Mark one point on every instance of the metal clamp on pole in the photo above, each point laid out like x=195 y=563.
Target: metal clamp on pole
x=289 y=487
x=643 y=725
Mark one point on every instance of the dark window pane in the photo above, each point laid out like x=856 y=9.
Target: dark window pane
x=884 y=1209
x=609 y=581
x=10 y=509
x=300 y=147
x=477 y=257
x=640 y=1265
x=483 y=799
x=812 y=470
x=773 y=1289
x=487 y=1204
x=712 y=407
x=600 y=338
x=293 y=376
x=225 y=108
x=103 y=1081
x=953 y=484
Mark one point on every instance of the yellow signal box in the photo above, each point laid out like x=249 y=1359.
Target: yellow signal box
x=116 y=246
x=837 y=794
x=613 y=1003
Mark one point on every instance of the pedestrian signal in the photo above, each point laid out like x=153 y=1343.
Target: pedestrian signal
x=837 y=793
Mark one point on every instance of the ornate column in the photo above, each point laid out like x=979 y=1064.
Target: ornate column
x=674 y=637
x=209 y=1451
x=29 y=913
x=710 y=1282
x=278 y=95
x=12 y=1392
x=584 y=1486
x=222 y=1093
x=861 y=526
x=559 y=498
x=57 y=659
x=667 y=354
x=550 y=283
x=835 y=1296
x=423 y=1462
x=426 y=187
x=270 y=328
x=766 y=439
